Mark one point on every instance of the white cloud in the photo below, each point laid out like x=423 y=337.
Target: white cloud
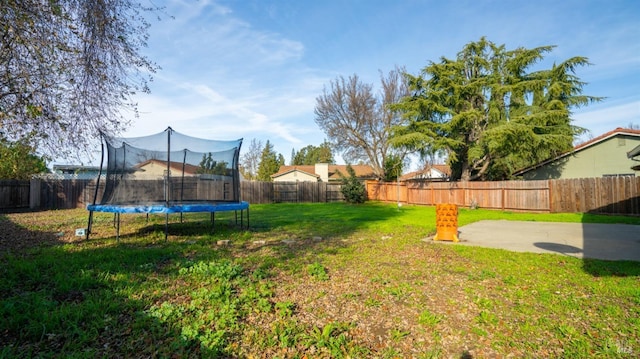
x=602 y=119
x=205 y=112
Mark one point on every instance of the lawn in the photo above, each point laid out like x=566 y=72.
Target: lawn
x=307 y=280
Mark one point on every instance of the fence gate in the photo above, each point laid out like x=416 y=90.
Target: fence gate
x=14 y=194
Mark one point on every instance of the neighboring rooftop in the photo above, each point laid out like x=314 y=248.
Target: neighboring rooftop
x=361 y=171
x=435 y=172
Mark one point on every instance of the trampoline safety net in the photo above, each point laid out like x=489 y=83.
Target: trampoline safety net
x=169 y=168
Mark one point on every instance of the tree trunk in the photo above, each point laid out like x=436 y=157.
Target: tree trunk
x=466 y=171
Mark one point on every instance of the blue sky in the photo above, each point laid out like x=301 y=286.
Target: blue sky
x=253 y=69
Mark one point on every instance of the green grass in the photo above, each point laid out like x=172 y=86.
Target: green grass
x=357 y=281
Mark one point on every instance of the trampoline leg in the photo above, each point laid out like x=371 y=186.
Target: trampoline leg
x=247 y=218
x=166 y=226
x=89 y=223
x=213 y=221
x=117 y=227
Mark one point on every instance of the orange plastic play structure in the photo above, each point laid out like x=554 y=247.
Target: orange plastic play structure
x=446 y=222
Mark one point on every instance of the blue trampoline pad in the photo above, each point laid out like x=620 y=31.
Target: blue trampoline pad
x=174 y=208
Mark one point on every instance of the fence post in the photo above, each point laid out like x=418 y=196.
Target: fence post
x=550 y=194
x=34 y=193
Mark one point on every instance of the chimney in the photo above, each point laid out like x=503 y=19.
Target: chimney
x=322 y=170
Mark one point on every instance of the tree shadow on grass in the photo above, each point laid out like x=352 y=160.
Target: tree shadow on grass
x=87 y=299
x=600 y=254
x=602 y=268
x=16 y=238
x=97 y=298
x=611 y=249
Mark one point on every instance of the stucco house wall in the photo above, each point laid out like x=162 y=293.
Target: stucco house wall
x=151 y=170
x=605 y=155
x=296 y=176
x=155 y=169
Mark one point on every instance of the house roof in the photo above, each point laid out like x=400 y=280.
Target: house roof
x=618 y=131
x=362 y=171
x=75 y=168
x=606 y=136
x=442 y=168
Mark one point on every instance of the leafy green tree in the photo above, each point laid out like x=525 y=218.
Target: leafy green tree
x=489 y=112
x=18 y=160
x=393 y=166
x=310 y=155
x=357 y=122
x=270 y=163
x=69 y=69
x=352 y=189
x=209 y=166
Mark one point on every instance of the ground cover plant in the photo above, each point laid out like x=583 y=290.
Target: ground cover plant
x=307 y=280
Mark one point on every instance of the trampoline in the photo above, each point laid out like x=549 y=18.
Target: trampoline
x=167 y=173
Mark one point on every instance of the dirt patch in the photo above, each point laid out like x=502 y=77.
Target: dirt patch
x=27 y=230
x=382 y=308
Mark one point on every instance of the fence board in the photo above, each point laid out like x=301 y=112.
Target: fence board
x=256 y=192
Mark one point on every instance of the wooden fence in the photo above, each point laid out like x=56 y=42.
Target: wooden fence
x=277 y=192
x=77 y=193
x=616 y=195
x=607 y=195
x=610 y=195
x=506 y=195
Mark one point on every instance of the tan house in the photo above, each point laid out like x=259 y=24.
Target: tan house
x=158 y=169
x=433 y=173
x=604 y=156
x=320 y=172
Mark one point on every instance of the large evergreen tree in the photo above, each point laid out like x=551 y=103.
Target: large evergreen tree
x=489 y=112
x=270 y=162
x=393 y=168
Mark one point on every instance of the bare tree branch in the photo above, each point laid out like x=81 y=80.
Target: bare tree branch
x=358 y=123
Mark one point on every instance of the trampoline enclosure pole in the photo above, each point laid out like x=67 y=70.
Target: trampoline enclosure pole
x=167 y=184
x=95 y=193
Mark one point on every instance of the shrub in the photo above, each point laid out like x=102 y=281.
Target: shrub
x=352 y=189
